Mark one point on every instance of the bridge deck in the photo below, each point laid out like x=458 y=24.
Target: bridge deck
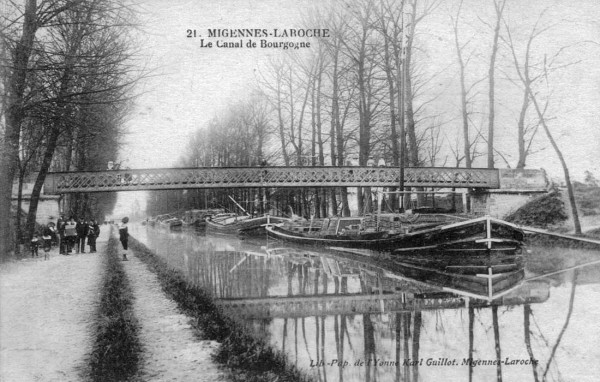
x=254 y=177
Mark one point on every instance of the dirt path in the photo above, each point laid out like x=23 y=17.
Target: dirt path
x=171 y=352
x=48 y=309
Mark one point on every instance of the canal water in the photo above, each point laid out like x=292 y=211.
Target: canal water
x=349 y=316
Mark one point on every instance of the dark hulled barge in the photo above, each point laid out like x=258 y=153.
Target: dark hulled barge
x=484 y=234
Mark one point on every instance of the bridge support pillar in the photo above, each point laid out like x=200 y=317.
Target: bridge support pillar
x=517 y=187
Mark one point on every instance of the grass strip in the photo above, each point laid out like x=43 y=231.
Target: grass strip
x=116 y=352
x=249 y=358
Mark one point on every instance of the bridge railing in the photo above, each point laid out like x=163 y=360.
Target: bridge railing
x=254 y=177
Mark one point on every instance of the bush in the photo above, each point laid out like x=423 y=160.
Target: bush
x=542 y=212
x=116 y=352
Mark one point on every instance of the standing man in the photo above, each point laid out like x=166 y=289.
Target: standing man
x=82 y=231
x=70 y=234
x=60 y=229
x=92 y=234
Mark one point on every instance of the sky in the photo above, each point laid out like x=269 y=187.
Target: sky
x=189 y=84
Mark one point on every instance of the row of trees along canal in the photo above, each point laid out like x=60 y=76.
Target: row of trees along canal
x=67 y=73
x=368 y=91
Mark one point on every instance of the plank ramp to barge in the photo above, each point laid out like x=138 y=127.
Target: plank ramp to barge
x=538 y=231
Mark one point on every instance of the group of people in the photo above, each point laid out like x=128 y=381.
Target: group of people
x=69 y=235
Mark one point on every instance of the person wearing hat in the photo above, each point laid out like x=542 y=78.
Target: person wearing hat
x=124 y=235
x=92 y=234
x=60 y=238
x=82 y=231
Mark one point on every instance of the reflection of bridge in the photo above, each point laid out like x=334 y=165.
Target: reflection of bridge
x=184 y=178
x=324 y=305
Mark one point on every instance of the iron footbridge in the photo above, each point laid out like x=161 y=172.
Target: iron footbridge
x=255 y=177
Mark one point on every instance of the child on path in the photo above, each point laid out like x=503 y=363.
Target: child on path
x=124 y=235
x=47 y=234
x=35 y=243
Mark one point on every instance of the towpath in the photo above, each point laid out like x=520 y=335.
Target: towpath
x=48 y=309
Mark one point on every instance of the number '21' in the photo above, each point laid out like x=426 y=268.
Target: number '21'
x=192 y=33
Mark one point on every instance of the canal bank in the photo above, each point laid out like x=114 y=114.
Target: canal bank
x=248 y=357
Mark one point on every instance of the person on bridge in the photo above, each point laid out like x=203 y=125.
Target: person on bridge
x=124 y=235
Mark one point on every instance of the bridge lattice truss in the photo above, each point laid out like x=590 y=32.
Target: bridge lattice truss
x=253 y=177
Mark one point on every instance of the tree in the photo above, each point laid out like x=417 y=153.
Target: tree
x=590 y=179
x=468 y=145
x=499 y=9
x=361 y=47
x=18 y=43
x=528 y=79
x=88 y=53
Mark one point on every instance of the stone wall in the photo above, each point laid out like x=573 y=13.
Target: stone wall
x=498 y=204
x=48 y=206
x=517 y=187
x=48 y=209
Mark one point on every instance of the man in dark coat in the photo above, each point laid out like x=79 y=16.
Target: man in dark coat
x=92 y=235
x=60 y=229
x=82 y=231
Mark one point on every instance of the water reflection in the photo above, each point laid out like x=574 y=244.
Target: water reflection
x=350 y=316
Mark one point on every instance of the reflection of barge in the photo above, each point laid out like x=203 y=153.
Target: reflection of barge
x=391 y=286
x=474 y=280
x=480 y=235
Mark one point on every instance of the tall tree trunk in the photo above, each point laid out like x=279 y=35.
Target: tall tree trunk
x=286 y=158
x=563 y=163
x=499 y=7
x=400 y=88
x=413 y=149
x=335 y=160
x=313 y=150
x=15 y=114
x=320 y=145
x=339 y=133
x=463 y=96
x=39 y=181
x=412 y=144
x=521 y=131
x=18 y=231
x=389 y=71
